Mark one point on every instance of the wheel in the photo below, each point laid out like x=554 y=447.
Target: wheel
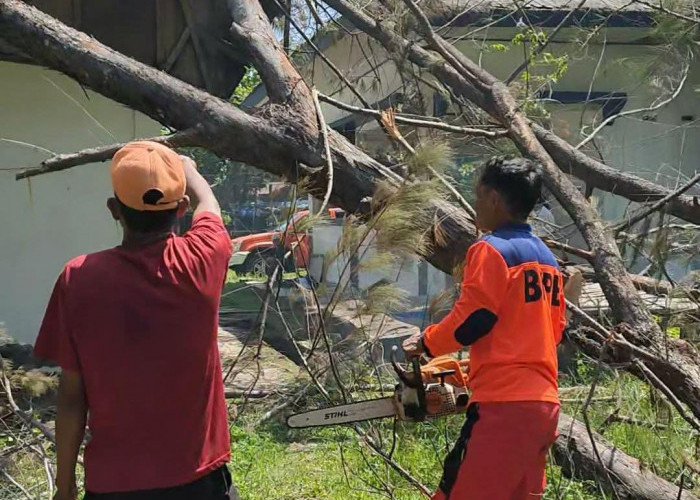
x=259 y=264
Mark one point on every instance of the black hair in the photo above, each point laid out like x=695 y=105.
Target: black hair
x=148 y=221
x=517 y=180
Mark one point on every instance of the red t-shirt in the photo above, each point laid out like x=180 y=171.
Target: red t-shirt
x=140 y=326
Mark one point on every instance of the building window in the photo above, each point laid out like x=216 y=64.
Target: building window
x=611 y=103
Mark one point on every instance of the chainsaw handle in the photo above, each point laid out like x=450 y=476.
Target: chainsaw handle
x=441 y=376
x=402 y=374
x=420 y=390
x=412 y=380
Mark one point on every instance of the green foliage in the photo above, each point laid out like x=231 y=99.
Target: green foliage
x=543 y=68
x=384 y=298
x=402 y=219
x=351 y=237
x=437 y=154
x=661 y=440
x=674 y=332
x=464 y=177
x=250 y=80
x=377 y=262
x=534 y=36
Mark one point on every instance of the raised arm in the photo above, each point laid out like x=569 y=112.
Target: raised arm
x=201 y=196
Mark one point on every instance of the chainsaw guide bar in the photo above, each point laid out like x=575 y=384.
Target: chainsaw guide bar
x=345 y=414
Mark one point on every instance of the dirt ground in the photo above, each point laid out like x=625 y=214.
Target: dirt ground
x=269 y=371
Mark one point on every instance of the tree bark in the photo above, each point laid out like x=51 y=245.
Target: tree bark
x=574 y=453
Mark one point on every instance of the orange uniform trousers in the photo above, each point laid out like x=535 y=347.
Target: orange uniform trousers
x=501 y=452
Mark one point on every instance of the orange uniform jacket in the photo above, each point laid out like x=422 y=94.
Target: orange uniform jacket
x=511 y=312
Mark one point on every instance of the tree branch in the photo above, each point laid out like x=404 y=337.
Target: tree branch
x=656 y=206
x=324 y=132
x=322 y=56
x=427 y=123
x=102 y=153
x=579 y=252
x=598 y=175
x=644 y=283
x=656 y=106
x=568 y=159
x=282 y=82
x=673 y=13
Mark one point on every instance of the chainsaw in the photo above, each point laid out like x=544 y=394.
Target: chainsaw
x=431 y=391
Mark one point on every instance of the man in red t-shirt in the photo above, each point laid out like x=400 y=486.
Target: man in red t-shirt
x=134 y=329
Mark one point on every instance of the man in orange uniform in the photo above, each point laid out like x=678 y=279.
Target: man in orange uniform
x=511 y=312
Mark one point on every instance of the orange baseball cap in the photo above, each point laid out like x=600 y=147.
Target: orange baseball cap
x=148 y=176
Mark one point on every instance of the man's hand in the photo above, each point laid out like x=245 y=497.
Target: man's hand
x=69 y=494
x=413 y=346
x=201 y=196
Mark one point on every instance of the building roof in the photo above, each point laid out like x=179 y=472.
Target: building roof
x=542 y=13
x=187 y=38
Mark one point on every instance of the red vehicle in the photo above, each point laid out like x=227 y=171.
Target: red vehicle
x=257 y=253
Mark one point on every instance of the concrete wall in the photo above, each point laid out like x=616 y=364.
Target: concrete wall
x=49 y=219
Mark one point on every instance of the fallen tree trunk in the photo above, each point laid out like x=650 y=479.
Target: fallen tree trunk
x=574 y=453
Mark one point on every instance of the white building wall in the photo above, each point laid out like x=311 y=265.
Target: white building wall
x=47 y=220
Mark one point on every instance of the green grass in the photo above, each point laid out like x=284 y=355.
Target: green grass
x=274 y=462
x=237 y=295
x=660 y=444
x=329 y=463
